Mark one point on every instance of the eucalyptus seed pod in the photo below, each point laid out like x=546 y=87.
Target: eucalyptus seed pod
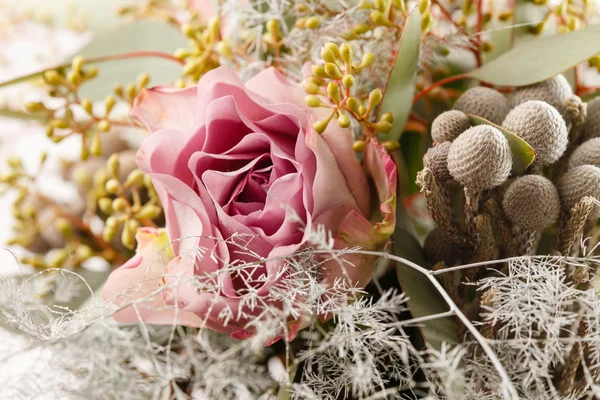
x=480 y=158
x=578 y=183
x=553 y=91
x=485 y=103
x=540 y=125
x=531 y=202
x=588 y=153
x=436 y=159
x=438 y=247
x=591 y=127
x=448 y=125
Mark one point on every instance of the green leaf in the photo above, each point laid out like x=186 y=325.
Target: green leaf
x=423 y=298
x=536 y=60
x=95 y=60
x=22 y=115
x=522 y=153
x=95 y=15
x=411 y=146
x=590 y=96
x=136 y=37
x=400 y=87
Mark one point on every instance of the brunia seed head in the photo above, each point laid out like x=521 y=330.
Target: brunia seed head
x=591 y=127
x=438 y=247
x=578 y=183
x=587 y=153
x=553 y=91
x=540 y=125
x=531 y=202
x=480 y=158
x=436 y=159
x=448 y=125
x=484 y=102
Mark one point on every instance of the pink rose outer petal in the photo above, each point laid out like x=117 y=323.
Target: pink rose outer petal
x=228 y=158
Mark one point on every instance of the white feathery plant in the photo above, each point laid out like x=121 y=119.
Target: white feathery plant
x=365 y=354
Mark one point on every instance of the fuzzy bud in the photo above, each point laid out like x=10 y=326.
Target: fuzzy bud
x=532 y=203
x=578 y=183
x=540 y=125
x=591 y=127
x=484 y=102
x=553 y=91
x=576 y=109
x=588 y=153
x=448 y=125
x=436 y=159
x=480 y=158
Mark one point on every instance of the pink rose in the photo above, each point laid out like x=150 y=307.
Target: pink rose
x=229 y=159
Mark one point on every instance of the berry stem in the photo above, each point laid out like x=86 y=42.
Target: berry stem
x=441 y=82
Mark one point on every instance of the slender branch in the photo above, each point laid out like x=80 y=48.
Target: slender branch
x=425 y=318
x=509 y=391
x=489 y=262
x=441 y=82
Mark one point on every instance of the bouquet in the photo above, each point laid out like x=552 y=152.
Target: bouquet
x=322 y=199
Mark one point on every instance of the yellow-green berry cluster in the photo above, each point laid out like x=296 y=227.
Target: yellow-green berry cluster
x=65 y=120
x=332 y=89
x=205 y=48
x=127 y=203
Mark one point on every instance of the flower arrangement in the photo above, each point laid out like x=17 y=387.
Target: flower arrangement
x=268 y=199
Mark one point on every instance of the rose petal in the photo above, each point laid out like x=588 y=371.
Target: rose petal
x=135 y=287
x=272 y=85
x=166 y=108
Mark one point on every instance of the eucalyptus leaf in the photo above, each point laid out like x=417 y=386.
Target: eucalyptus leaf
x=540 y=59
x=400 y=87
x=522 y=153
x=95 y=15
x=134 y=38
x=527 y=15
x=22 y=115
x=90 y=61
